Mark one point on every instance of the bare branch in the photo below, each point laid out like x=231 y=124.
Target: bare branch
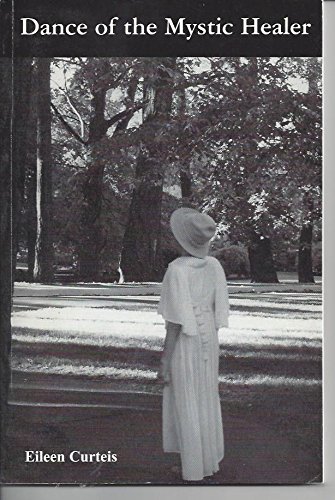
x=74 y=109
x=71 y=60
x=127 y=113
x=67 y=125
x=104 y=83
x=72 y=106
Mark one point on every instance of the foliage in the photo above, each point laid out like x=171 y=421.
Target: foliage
x=261 y=151
x=247 y=130
x=234 y=260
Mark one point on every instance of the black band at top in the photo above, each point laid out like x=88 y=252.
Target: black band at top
x=166 y=28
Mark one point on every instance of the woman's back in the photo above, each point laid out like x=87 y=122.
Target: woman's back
x=201 y=277
x=194 y=303
x=194 y=295
x=203 y=282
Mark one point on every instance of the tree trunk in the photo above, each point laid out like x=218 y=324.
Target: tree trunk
x=141 y=258
x=93 y=238
x=185 y=177
x=43 y=265
x=92 y=241
x=262 y=268
x=305 y=265
x=30 y=183
x=21 y=112
x=31 y=218
x=91 y=227
x=185 y=185
x=141 y=253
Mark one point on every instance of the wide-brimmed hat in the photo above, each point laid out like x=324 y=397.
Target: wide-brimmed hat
x=193 y=230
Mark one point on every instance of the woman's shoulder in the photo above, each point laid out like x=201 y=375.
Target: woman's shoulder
x=173 y=268
x=214 y=261
x=175 y=273
x=215 y=264
x=174 y=264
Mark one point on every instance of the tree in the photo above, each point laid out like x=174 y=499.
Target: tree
x=305 y=267
x=229 y=156
x=185 y=176
x=43 y=255
x=311 y=151
x=87 y=101
x=258 y=148
x=302 y=160
x=234 y=133
x=141 y=251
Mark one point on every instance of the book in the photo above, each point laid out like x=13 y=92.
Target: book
x=114 y=114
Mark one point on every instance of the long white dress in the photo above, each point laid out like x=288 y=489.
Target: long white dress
x=194 y=295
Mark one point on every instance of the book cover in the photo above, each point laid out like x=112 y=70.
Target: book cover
x=113 y=115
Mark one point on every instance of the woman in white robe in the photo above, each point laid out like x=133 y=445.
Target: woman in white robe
x=194 y=303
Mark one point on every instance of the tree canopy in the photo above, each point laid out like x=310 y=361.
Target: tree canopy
x=239 y=138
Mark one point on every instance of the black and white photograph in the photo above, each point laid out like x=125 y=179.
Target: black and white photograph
x=166 y=320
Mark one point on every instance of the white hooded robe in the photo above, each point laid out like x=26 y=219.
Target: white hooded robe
x=194 y=295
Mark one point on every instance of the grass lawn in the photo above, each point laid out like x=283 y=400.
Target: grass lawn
x=272 y=341
x=270 y=360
